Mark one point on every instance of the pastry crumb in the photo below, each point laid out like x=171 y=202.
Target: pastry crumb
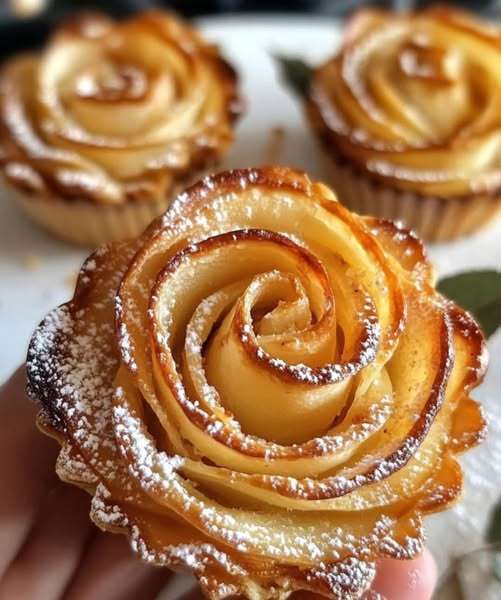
x=31 y=262
x=274 y=145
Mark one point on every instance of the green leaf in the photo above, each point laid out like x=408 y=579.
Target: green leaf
x=478 y=292
x=493 y=533
x=493 y=536
x=496 y=567
x=296 y=73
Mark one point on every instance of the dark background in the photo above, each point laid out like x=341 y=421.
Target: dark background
x=17 y=33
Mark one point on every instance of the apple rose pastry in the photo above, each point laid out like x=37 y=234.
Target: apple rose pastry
x=264 y=388
x=101 y=130
x=409 y=115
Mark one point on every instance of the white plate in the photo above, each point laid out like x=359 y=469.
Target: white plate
x=37 y=272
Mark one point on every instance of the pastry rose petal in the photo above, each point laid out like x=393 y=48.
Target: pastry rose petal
x=264 y=388
x=413 y=99
x=111 y=111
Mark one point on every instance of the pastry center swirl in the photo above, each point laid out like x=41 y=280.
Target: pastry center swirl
x=109 y=82
x=261 y=333
x=419 y=59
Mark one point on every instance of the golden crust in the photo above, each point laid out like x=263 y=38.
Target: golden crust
x=263 y=388
x=412 y=102
x=61 y=135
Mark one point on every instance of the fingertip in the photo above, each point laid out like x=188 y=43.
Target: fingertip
x=409 y=579
x=430 y=570
x=15 y=384
x=193 y=594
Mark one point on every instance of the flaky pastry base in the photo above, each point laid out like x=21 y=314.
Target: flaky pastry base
x=264 y=388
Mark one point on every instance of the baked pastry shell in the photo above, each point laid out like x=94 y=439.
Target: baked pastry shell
x=84 y=218
x=49 y=351
x=433 y=218
x=88 y=224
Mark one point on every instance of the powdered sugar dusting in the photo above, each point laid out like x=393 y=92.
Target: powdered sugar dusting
x=346 y=578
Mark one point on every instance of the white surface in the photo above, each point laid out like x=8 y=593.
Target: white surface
x=29 y=290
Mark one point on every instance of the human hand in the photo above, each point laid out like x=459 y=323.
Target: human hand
x=49 y=549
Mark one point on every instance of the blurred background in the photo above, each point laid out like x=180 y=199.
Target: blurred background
x=26 y=23
x=37 y=272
